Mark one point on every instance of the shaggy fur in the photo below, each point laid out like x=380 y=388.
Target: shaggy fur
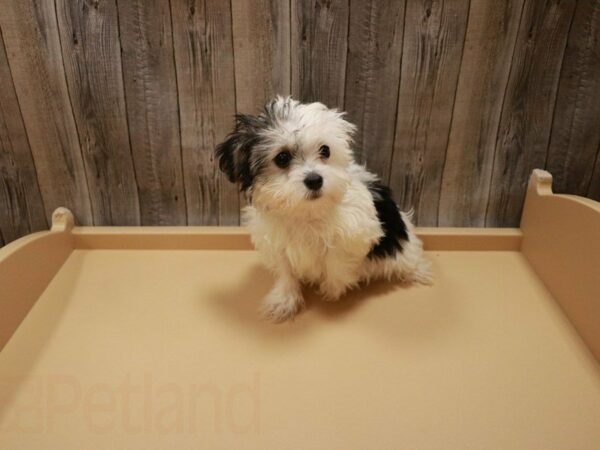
x=334 y=235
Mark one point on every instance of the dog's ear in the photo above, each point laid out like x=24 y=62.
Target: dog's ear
x=226 y=154
x=234 y=153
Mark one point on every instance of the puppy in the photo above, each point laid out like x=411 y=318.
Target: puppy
x=315 y=215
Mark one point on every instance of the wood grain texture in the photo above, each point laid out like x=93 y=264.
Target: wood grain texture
x=152 y=109
x=204 y=62
x=524 y=132
x=113 y=107
x=489 y=46
x=21 y=206
x=319 y=48
x=32 y=43
x=92 y=57
x=576 y=127
x=594 y=190
x=373 y=78
x=262 y=46
x=261 y=38
x=433 y=44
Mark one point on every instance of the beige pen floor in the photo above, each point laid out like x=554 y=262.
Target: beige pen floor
x=126 y=344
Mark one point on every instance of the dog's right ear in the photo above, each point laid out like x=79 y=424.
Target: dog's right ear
x=234 y=153
x=226 y=154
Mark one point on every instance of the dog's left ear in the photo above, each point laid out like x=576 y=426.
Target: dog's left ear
x=234 y=153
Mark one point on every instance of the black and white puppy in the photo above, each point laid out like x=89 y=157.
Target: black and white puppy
x=315 y=215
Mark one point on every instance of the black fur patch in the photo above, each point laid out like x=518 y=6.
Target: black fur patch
x=234 y=153
x=236 y=156
x=393 y=226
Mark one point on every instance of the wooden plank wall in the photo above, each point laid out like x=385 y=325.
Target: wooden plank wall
x=112 y=108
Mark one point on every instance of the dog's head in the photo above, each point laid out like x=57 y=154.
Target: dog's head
x=291 y=156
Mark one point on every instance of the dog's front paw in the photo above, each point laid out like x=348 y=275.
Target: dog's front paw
x=280 y=306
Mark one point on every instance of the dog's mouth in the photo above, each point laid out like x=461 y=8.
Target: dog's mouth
x=314 y=195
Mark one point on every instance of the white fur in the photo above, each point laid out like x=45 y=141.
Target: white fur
x=321 y=241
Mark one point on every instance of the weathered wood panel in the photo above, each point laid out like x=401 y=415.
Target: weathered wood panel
x=319 y=48
x=594 y=190
x=524 y=133
x=32 y=43
x=205 y=76
x=262 y=49
x=489 y=46
x=92 y=58
x=373 y=78
x=21 y=207
x=433 y=44
x=152 y=109
x=576 y=127
x=113 y=108
x=261 y=38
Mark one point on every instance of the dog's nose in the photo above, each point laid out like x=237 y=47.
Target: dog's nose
x=313 y=181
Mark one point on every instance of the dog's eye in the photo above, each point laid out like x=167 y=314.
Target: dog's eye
x=282 y=160
x=324 y=151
